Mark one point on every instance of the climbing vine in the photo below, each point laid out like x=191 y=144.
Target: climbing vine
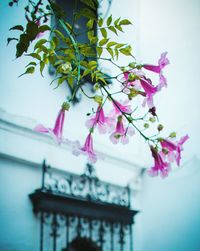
x=74 y=62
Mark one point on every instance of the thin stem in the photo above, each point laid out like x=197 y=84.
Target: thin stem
x=125 y=115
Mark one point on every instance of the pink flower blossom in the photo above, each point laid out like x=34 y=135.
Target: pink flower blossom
x=120 y=133
x=174 y=148
x=162 y=62
x=132 y=81
x=160 y=166
x=87 y=149
x=57 y=131
x=102 y=122
x=150 y=90
x=121 y=107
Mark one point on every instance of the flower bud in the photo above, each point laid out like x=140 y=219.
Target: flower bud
x=66 y=67
x=132 y=77
x=172 y=135
x=98 y=99
x=65 y=106
x=152 y=119
x=132 y=65
x=160 y=127
x=146 y=125
x=96 y=86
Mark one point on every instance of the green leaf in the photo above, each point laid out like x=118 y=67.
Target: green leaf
x=110 y=51
x=125 y=22
x=56 y=41
x=22 y=45
x=29 y=70
x=119 y=28
x=11 y=39
x=103 y=41
x=39 y=43
x=44 y=28
x=119 y=46
x=117 y=21
x=103 y=32
x=86 y=72
x=92 y=65
x=57 y=32
x=89 y=3
x=34 y=55
x=109 y=20
x=103 y=80
x=112 y=28
x=61 y=80
x=99 y=51
x=111 y=44
x=44 y=49
x=32 y=30
x=90 y=24
x=87 y=13
x=100 y=22
x=126 y=51
x=42 y=65
x=116 y=53
x=31 y=63
x=90 y=34
x=17 y=27
x=70 y=81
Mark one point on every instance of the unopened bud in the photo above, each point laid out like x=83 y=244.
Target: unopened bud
x=65 y=106
x=96 y=86
x=172 y=135
x=160 y=127
x=98 y=99
x=152 y=119
x=132 y=65
x=66 y=67
x=146 y=125
x=132 y=77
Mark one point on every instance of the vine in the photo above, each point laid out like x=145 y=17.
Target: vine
x=73 y=61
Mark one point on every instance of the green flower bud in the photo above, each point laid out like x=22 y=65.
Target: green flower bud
x=132 y=65
x=132 y=77
x=65 y=106
x=146 y=125
x=65 y=68
x=96 y=86
x=152 y=119
x=172 y=135
x=160 y=127
x=98 y=99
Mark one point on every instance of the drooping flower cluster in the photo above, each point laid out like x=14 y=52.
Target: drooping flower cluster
x=170 y=152
x=136 y=80
x=120 y=123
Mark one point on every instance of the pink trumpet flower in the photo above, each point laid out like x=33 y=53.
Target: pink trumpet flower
x=149 y=90
x=162 y=62
x=103 y=122
x=174 y=148
x=88 y=149
x=121 y=107
x=57 y=131
x=160 y=166
x=120 y=133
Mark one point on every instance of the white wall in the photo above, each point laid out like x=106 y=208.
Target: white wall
x=170 y=217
